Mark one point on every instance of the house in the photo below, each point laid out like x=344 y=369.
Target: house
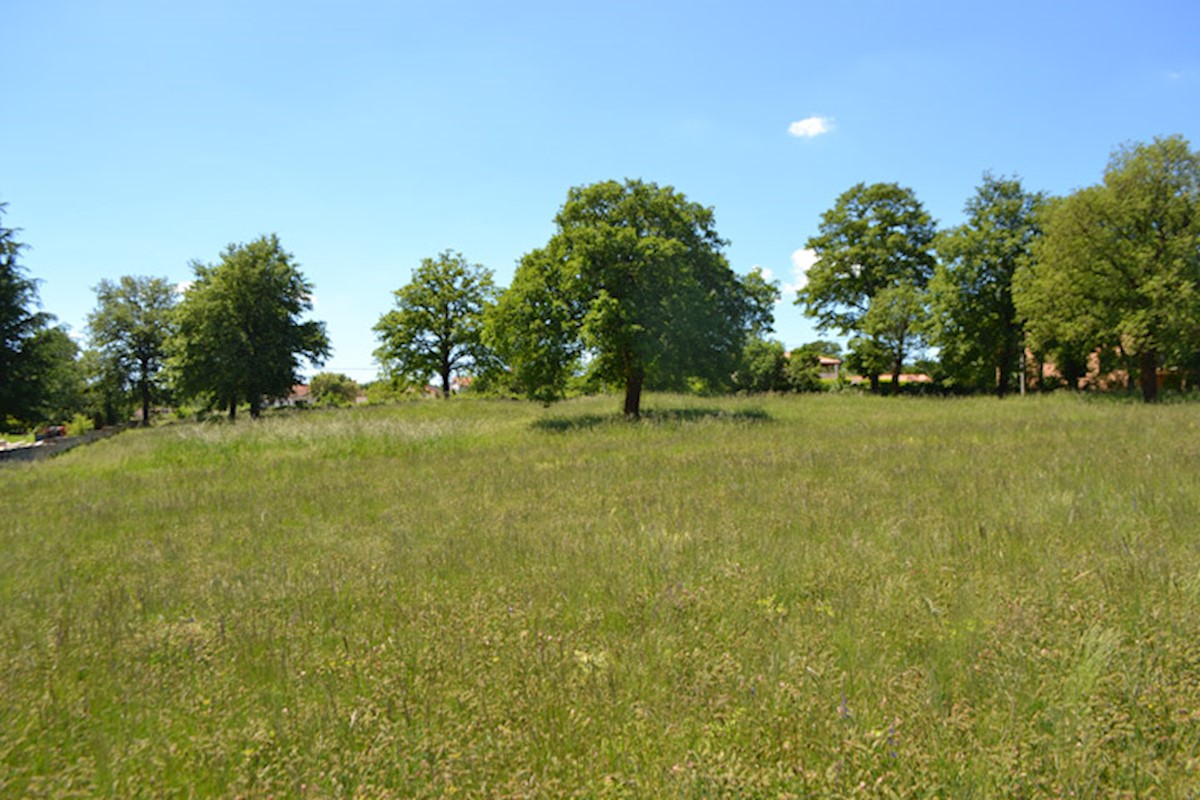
x=458 y=383
x=831 y=368
x=298 y=397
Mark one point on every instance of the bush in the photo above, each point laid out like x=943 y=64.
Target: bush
x=79 y=425
x=333 y=389
x=762 y=367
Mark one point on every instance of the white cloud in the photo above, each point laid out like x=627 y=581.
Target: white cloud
x=183 y=286
x=802 y=261
x=809 y=127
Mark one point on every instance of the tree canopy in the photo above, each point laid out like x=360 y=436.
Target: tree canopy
x=130 y=327
x=1119 y=265
x=975 y=324
x=763 y=367
x=239 y=333
x=30 y=367
x=874 y=260
x=18 y=324
x=333 y=389
x=58 y=390
x=634 y=283
x=436 y=326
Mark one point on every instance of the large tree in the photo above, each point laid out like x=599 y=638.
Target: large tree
x=1119 y=265
x=436 y=326
x=633 y=283
x=20 y=324
x=240 y=336
x=59 y=378
x=975 y=324
x=130 y=327
x=874 y=260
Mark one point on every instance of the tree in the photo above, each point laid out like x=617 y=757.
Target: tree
x=239 y=334
x=105 y=399
x=894 y=327
x=874 y=261
x=1119 y=265
x=20 y=323
x=333 y=389
x=763 y=367
x=59 y=377
x=534 y=326
x=976 y=328
x=803 y=371
x=633 y=283
x=436 y=326
x=130 y=328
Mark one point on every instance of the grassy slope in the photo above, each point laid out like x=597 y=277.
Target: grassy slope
x=802 y=596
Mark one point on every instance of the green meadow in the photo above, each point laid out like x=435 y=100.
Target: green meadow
x=805 y=596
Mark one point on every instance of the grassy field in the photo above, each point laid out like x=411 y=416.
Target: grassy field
x=825 y=596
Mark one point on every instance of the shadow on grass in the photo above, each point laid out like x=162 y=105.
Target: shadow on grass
x=650 y=417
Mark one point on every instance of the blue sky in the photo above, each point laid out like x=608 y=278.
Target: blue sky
x=139 y=136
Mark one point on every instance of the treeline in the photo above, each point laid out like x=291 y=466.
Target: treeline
x=233 y=337
x=1104 y=279
x=633 y=292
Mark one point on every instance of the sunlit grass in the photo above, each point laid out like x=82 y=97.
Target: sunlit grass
x=802 y=596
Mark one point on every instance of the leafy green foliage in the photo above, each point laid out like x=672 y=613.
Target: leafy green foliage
x=389 y=390
x=893 y=327
x=763 y=367
x=105 y=396
x=803 y=371
x=52 y=360
x=20 y=323
x=975 y=323
x=534 y=327
x=634 y=287
x=130 y=328
x=333 y=389
x=437 y=324
x=1119 y=265
x=79 y=425
x=240 y=336
x=874 y=260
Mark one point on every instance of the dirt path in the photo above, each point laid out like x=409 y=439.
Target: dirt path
x=52 y=447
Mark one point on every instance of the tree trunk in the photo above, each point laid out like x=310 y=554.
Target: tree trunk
x=874 y=376
x=1023 y=378
x=232 y=408
x=633 y=393
x=896 y=369
x=1148 y=363
x=255 y=407
x=445 y=381
x=145 y=388
x=1004 y=367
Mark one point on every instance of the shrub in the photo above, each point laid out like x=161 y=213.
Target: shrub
x=79 y=425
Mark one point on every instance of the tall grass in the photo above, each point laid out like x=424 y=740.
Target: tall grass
x=804 y=596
